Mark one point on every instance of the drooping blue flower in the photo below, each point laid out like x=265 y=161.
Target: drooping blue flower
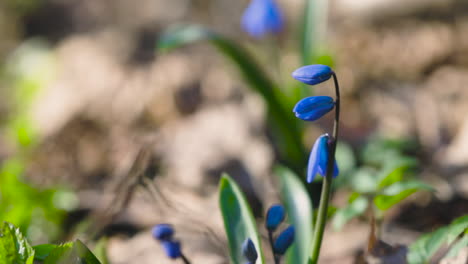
x=318 y=159
x=314 y=107
x=172 y=248
x=163 y=232
x=249 y=251
x=275 y=215
x=313 y=74
x=262 y=17
x=284 y=240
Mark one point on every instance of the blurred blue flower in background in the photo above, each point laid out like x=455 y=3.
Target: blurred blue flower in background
x=172 y=249
x=318 y=159
x=275 y=215
x=163 y=232
x=262 y=17
x=249 y=251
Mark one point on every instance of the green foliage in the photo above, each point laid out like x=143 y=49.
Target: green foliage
x=15 y=249
x=299 y=209
x=426 y=246
x=238 y=220
x=383 y=180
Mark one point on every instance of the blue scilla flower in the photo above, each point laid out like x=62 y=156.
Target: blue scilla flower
x=314 y=107
x=163 y=232
x=262 y=17
x=313 y=74
x=249 y=251
x=172 y=248
x=318 y=159
x=284 y=241
x=275 y=215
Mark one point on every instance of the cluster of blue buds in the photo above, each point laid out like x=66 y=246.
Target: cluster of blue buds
x=262 y=17
x=311 y=109
x=164 y=233
x=274 y=217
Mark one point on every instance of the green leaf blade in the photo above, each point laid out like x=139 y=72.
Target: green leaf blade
x=238 y=220
x=14 y=248
x=300 y=214
x=397 y=192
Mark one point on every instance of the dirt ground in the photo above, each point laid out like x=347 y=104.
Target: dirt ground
x=117 y=108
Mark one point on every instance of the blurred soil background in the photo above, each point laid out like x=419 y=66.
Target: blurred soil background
x=142 y=137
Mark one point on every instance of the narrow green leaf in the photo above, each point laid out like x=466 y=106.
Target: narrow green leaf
x=427 y=245
x=42 y=251
x=394 y=170
x=396 y=192
x=71 y=253
x=238 y=219
x=283 y=119
x=14 y=248
x=455 y=249
x=357 y=207
x=299 y=208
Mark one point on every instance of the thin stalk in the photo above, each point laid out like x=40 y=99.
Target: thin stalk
x=275 y=256
x=184 y=259
x=327 y=182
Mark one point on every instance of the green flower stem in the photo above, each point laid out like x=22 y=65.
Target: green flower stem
x=184 y=259
x=327 y=182
x=275 y=256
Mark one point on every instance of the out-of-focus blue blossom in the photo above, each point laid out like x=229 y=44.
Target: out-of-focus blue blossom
x=163 y=232
x=249 y=251
x=172 y=248
x=284 y=241
x=262 y=17
x=275 y=215
x=314 y=107
x=313 y=74
x=318 y=159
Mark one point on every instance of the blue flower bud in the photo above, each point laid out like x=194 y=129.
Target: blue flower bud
x=313 y=74
x=249 y=251
x=284 y=240
x=318 y=159
x=275 y=215
x=172 y=248
x=314 y=107
x=262 y=17
x=163 y=232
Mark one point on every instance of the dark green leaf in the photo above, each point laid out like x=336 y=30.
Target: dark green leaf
x=239 y=223
x=14 y=248
x=355 y=208
x=284 y=120
x=396 y=192
x=42 y=251
x=71 y=253
x=299 y=208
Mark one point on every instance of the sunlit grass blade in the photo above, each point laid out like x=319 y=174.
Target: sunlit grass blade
x=396 y=192
x=71 y=252
x=300 y=214
x=238 y=219
x=284 y=121
x=426 y=246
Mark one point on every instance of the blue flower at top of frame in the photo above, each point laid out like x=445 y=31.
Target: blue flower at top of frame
x=249 y=251
x=163 y=232
x=314 y=107
x=318 y=159
x=262 y=17
x=284 y=240
x=313 y=74
x=275 y=215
